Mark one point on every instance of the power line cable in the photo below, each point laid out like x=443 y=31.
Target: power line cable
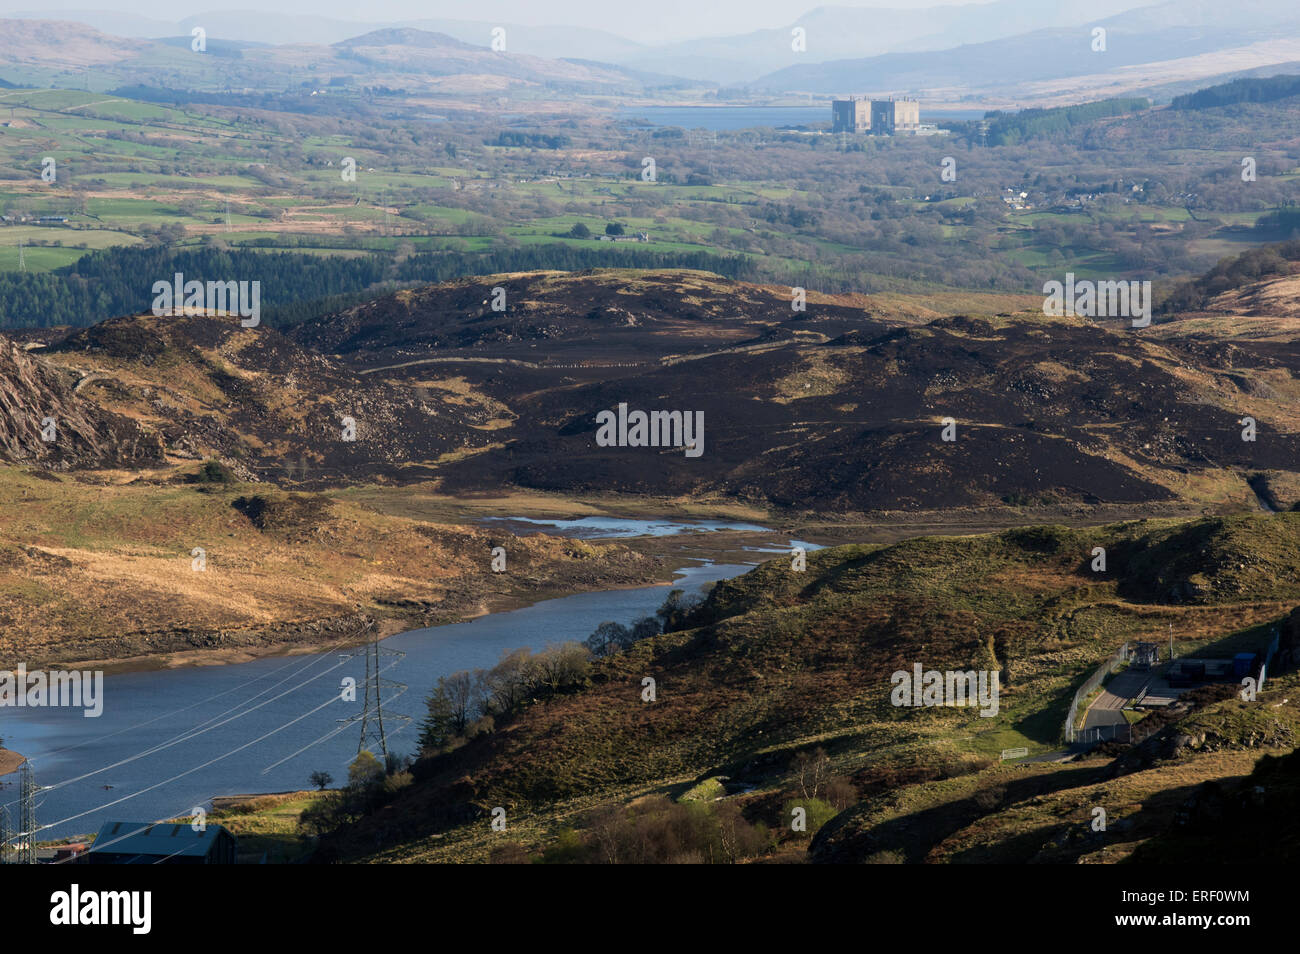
x=193 y=734
x=191 y=771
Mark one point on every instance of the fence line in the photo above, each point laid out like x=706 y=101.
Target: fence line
x=1120 y=655
x=1268 y=658
x=1118 y=732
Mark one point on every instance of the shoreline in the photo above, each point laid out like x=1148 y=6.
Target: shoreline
x=10 y=761
x=388 y=625
x=723 y=546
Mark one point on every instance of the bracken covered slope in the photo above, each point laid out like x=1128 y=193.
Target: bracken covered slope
x=778 y=662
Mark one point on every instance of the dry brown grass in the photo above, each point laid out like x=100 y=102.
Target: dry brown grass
x=10 y=761
x=105 y=572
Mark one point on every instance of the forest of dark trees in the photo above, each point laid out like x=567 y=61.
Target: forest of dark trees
x=1007 y=129
x=295 y=286
x=1248 y=90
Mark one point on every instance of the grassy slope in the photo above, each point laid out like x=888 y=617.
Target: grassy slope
x=103 y=571
x=784 y=661
x=1044 y=813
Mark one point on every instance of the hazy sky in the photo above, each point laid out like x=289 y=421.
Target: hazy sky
x=645 y=20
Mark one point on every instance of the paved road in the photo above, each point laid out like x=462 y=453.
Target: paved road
x=1058 y=756
x=1107 y=709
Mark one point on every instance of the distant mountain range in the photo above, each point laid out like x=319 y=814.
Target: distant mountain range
x=56 y=53
x=1008 y=50
x=833 y=33
x=266 y=27
x=1178 y=40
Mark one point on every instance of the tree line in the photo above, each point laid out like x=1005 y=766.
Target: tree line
x=1007 y=129
x=1249 y=90
x=470 y=702
x=295 y=286
x=119 y=281
x=535 y=140
x=1251 y=266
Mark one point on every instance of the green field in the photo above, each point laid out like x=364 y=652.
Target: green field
x=131 y=172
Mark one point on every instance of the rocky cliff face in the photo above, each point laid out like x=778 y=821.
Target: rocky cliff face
x=43 y=422
x=267 y=407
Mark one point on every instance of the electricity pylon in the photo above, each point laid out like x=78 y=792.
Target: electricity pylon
x=6 y=836
x=27 y=817
x=372 y=711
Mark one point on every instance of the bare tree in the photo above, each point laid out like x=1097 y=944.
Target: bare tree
x=812 y=771
x=459 y=687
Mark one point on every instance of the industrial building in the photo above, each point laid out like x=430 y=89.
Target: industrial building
x=144 y=843
x=851 y=115
x=879 y=117
x=894 y=117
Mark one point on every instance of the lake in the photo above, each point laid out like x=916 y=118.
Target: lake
x=616 y=527
x=170 y=740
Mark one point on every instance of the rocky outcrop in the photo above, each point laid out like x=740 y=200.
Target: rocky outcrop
x=44 y=423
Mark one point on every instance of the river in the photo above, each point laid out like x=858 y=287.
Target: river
x=169 y=741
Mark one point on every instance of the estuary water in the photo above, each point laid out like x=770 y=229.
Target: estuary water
x=727 y=118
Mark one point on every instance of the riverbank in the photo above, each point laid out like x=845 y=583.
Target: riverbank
x=885 y=526
x=132 y=576
x=382 y=628
x=375 y=571
x=661 y=556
